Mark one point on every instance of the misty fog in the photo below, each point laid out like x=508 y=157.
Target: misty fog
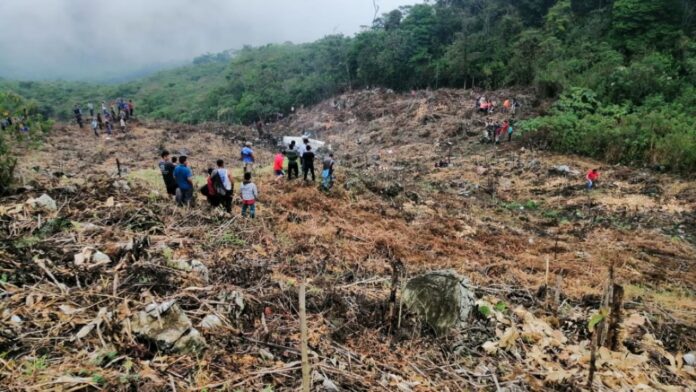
x=101 y=40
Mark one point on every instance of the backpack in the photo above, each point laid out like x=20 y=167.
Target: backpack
x=217 y=183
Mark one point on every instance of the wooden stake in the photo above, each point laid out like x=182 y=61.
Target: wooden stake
x=593 y=353
x=306 y=380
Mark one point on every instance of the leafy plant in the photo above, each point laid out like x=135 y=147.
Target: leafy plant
x=501 y=306
x=484 y=310
x=596 y=319
x=32 y=366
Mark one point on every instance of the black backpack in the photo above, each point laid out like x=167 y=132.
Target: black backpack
x=217 y=183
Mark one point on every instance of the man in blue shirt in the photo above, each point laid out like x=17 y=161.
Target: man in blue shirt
x=184 y=181
x=248 y=158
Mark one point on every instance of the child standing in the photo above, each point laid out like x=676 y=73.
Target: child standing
x=249 y=194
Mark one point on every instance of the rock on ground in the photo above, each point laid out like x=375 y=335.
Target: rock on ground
x=169 y=327
x=442 y=299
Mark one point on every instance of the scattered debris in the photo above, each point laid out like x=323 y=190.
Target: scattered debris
x=211 y=321
x=563 y=170
x=122 y=185
x=135 y=314
x=44 y=201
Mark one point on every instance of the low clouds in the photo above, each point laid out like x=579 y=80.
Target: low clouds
x=93 y=39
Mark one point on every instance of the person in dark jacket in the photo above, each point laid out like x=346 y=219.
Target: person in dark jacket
x=308 y=163
x=167 y=169
x=293 y=157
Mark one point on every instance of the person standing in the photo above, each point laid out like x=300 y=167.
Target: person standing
x=78 y=115
x=107 y=123
x=130 y=108
x=308 y=163
x=184 y=181
x=100 y=121
x=247 y=156
x=167 y=169
x=90 y=107
x=208 y=190
x=327 y=172
x=222 y=182
x=95 y=125
x=123 y=125
x=301 y=149
x=278 y=165
x=509 y=132
x=293 y=156
x=249 y=194
x=103 y=108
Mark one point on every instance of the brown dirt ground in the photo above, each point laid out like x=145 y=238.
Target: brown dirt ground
x=495 y=215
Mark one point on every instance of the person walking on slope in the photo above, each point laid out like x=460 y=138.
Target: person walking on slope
x=184 y=181
x=222 y=182
x=95 y=125
x=107 y=124
x=100 y=121
x=278 y=165
x=130 y=108
x=327 y=172
x=509 y=132
x=592 y=177
x=167 y=169
x=293 y=156
x=308 y=163
x=247 y=156
x=123 y=125
x=249 y=194
x=78 y=115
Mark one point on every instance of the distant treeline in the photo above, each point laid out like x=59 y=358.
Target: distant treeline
x=624 y=71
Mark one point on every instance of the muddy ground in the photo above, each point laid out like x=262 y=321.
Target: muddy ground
x=497 y=215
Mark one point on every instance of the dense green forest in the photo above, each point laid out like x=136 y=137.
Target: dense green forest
x=623 y=72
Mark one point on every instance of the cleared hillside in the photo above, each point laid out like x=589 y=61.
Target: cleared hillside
x=497 y=216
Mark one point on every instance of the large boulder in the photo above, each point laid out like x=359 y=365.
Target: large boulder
x=443 y=299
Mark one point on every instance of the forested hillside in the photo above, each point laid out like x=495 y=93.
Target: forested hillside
x=624 y=71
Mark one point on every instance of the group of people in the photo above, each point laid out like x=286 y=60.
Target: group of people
x=486 y=106
x=219 y=187
x=120 y=111
x=305 y=156
x=495 y=132
x=21 y=124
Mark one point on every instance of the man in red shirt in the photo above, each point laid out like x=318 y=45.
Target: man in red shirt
x=592 y=177
x=278 y=165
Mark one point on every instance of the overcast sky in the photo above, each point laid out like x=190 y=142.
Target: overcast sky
x=84 y=39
